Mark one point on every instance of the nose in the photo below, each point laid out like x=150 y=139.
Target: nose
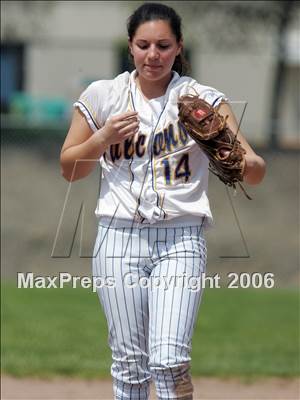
x=153 y=53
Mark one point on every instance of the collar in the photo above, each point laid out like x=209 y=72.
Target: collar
x=174 y=79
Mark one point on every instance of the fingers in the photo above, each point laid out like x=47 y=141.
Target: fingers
x=132 y=127
x=125 y=123
x=125 y=116
x=128 y=135
x=120 y=127
x=124 y=120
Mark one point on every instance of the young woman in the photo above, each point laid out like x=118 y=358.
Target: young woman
x=153 y=205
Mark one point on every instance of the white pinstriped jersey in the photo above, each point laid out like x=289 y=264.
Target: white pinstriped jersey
x=160 y=173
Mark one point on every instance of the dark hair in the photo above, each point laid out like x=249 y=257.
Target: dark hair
x=157 y=11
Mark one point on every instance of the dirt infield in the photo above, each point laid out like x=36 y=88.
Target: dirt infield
x=205 y=388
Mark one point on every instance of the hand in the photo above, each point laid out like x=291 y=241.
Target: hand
x=120 y=127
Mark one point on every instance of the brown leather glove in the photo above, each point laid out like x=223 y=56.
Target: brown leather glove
x=209 y=130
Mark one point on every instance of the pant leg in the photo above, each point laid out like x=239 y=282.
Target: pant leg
x=173 y=309
x=126 y=310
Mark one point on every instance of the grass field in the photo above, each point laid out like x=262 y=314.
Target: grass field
x=247 y=333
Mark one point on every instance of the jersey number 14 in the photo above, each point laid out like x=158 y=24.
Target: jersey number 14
x=181 y=171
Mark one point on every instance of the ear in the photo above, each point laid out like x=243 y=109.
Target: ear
x=180 y=47
x=130 y=46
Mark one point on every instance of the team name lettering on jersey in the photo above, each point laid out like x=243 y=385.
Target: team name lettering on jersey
x=166 y=141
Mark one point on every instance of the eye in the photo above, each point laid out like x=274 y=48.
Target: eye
x=143 y=45
x=163 y=46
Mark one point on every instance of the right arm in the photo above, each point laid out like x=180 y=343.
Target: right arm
x=82 y=144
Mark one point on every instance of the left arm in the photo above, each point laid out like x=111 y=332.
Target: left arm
x=255 y=167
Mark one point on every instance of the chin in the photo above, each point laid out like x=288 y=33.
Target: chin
x=154 y=75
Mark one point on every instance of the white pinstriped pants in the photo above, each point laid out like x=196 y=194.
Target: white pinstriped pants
x=150 y=314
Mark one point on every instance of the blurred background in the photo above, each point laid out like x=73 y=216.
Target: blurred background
x=50 y=52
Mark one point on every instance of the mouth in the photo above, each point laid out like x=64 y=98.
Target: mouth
x=154 y=67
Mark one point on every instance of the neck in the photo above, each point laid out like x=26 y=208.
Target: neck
x=153 y=89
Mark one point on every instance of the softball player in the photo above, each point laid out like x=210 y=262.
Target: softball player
x=153 y=206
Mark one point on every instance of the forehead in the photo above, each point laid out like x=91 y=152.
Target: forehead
x=158 y=29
